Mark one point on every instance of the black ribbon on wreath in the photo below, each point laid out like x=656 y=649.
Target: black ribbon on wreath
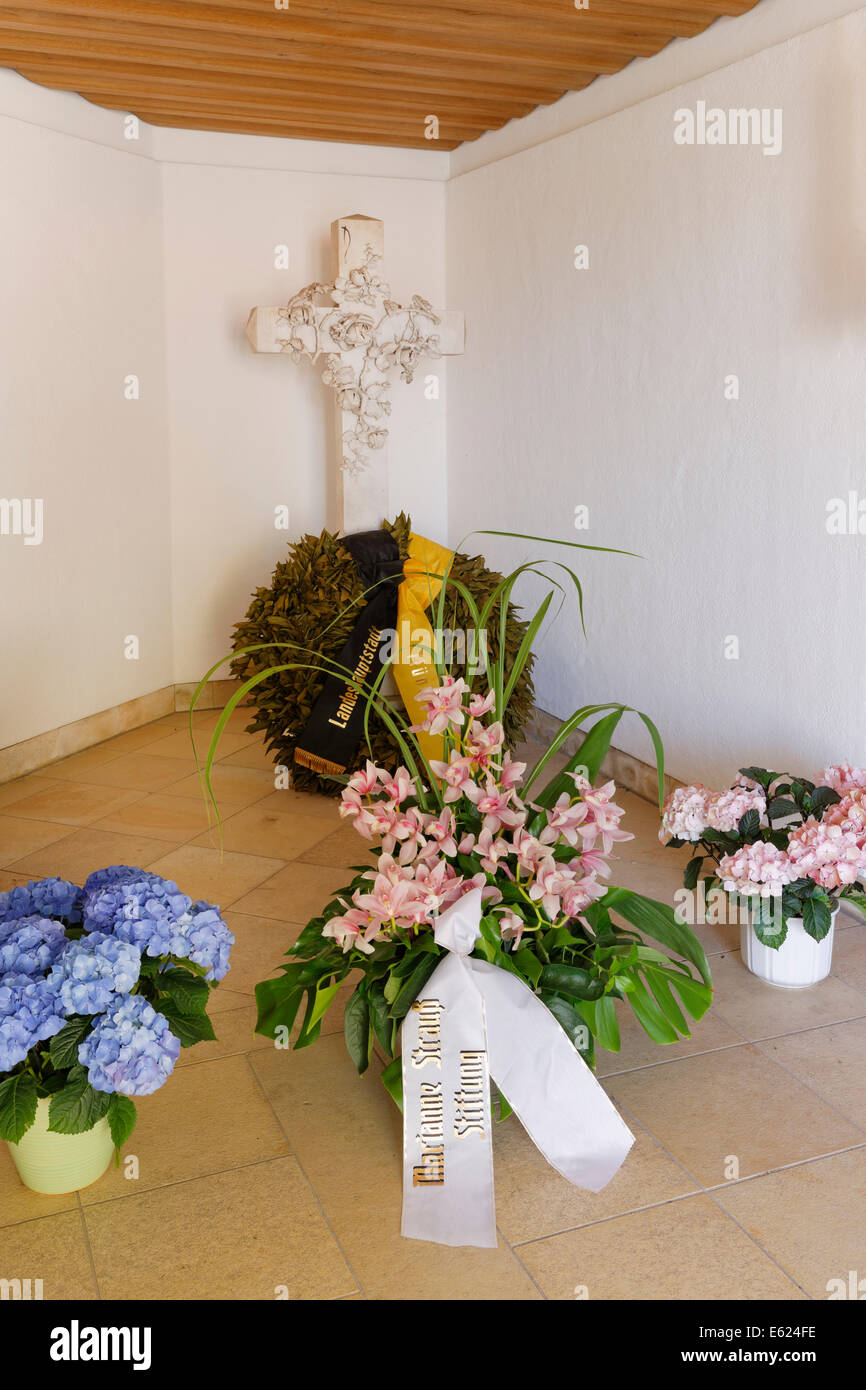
x=330 y=738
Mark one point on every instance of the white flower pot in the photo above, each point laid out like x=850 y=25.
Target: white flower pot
x=799 y=962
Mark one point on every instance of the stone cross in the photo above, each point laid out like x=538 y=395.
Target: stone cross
x=363 y=337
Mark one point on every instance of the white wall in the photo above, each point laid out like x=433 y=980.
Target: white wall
x=250 y=433
x=119 y=256
x=605 y=387
x=82 y=308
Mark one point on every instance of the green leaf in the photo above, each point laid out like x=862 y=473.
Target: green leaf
x=590 y=755
x=780 y=807
x=412 y=987
x=356 y=1026
x=528 y=964
x=392 y=1080
x=660 y=922
x=278 y=1003
x=571 y=1020
x=189 y=1028
x=122 y=1116
x=771 y=930
x=63 y=1049
x=649 y=1015
x=817 y=917
x=379 y=1016
x=692 y=872
x=504 y=1109
x=821 y=798
x=76 y=1108
x=189 y=991
x=325 y=996
x=749 y=825
x=18 y=1100
x=572 y=980
x=600 y=1015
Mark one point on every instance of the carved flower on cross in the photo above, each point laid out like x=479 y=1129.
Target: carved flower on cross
x=351 y=330
x=390 y=336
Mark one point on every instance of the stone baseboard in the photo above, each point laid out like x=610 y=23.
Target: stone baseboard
x=19 y=759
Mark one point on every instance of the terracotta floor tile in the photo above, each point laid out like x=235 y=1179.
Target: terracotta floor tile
x=340 y=849
x=253 y=755
x=295 y=894
x=134 y=739
x=9 y=880
x=233 y=787
x=811 y=1218
x=533 y=1200
x=215 y=878
x=849 y=956
x=80 y=853
x=18 y=1203
x=206 y=1118
x=238 y=1235
x=682 y=1250
x=303 y=804
x=309 y=1089
x=273 y=833
x=179 y=745
x=638 y=1049
x=758 y=1010
x=20 y=838
x=235 y=1030
x=72 y=803
x=735 y=1103
x=53 y=1249
x=237 y=720
x=144 y=771
x=172 y=818
x=78 y=766
x=830 y=1061
x=22 y=787
x=224 y=1000
x=260 y=946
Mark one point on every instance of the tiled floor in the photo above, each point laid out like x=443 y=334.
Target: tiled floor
x=262 y=1173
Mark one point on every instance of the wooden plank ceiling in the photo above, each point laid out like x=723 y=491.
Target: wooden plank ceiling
x=364 y=71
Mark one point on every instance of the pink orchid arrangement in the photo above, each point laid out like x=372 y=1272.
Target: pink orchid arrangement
x=478 y=838
x=539 y=848
x=781 y=839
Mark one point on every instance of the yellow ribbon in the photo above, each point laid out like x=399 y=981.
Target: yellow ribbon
x=413 y=664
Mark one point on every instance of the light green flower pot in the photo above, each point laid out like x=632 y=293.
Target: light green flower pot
x=53 y=1163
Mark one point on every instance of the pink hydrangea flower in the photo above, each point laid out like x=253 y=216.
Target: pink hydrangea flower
x=849 y=813
x=684 y=814
x=843 y=778
x=831 y=856
x=758 y=869
x=725 y=810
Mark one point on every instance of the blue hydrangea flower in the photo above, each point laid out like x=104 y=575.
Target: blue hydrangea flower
x=30 y=945
x=134 y=906
x=92 y=972
x=131 y=1049
x=153 y=914
x=46 y=897
x=30 y=1012
x=209 y=940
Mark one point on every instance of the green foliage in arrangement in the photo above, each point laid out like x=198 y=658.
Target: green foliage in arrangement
x=621 y=947
x=317 y=583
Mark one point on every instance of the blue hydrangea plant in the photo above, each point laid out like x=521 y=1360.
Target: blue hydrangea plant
x=100 y=988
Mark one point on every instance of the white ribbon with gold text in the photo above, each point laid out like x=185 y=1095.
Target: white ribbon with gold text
x=473 y=1020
